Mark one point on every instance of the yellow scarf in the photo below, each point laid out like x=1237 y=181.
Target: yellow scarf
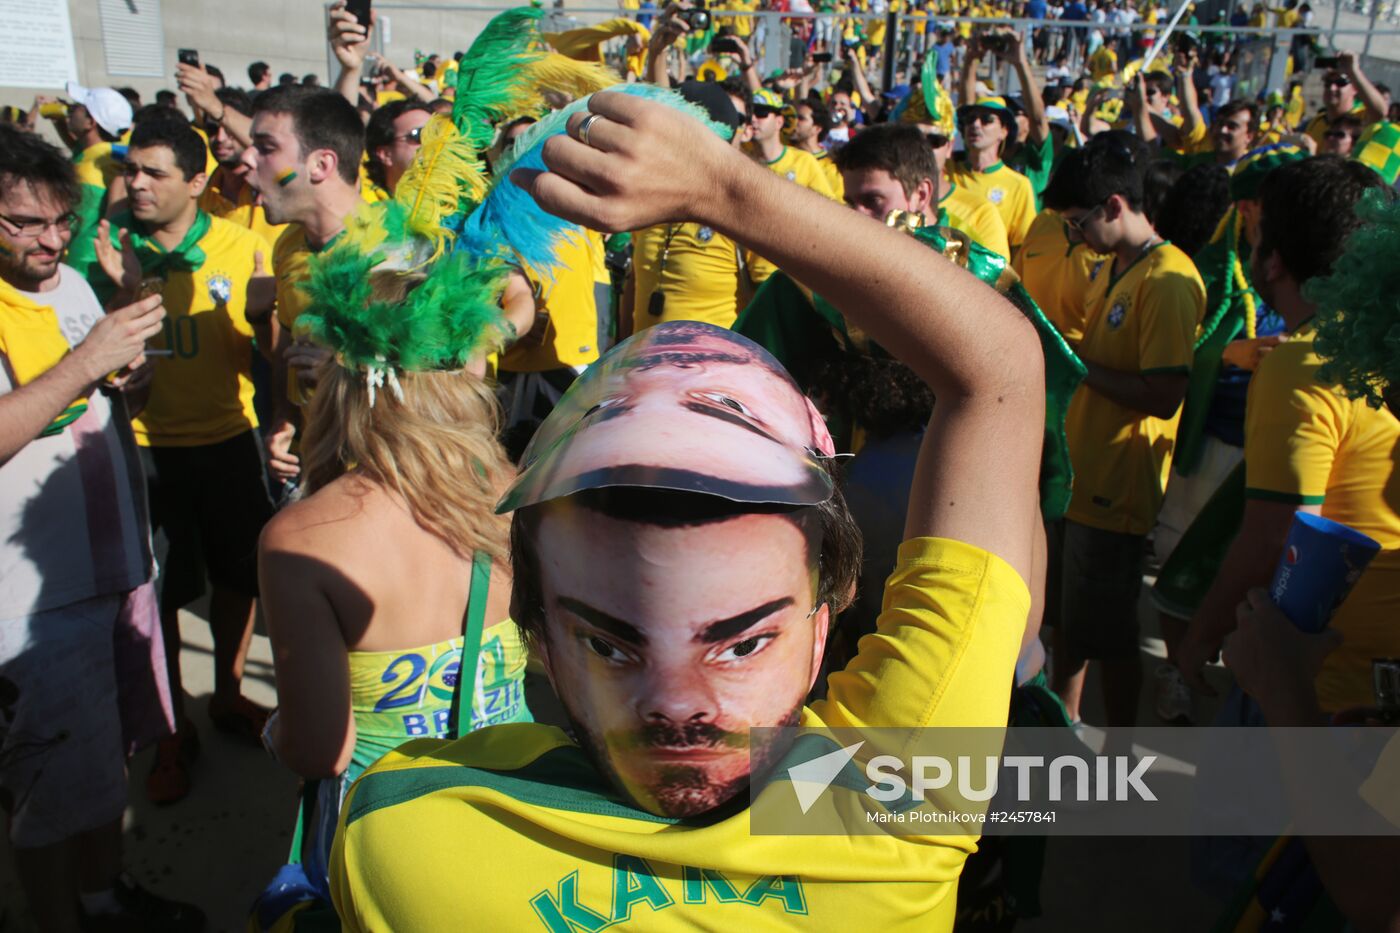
x=32 y=343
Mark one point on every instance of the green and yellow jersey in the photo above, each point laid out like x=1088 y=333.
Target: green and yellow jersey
x=95 y=167
x=512 y=828
x=1143 y=320
x=700 y=273
x=977 y=218
x=1005 y=189
x=1056 y=273
x=1308 y=444
x=567 y=304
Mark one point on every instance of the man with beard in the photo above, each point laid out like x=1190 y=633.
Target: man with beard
x=304 y=164
x=198 y=433
x=75 y=562
x=680 y=551
x=809 y=129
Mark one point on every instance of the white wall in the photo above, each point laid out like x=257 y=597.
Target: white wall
x=287 y=34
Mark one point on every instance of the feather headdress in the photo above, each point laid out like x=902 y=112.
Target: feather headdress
x=414 y=283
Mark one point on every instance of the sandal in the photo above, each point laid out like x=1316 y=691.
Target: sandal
x=169 y=779
x=244 y=720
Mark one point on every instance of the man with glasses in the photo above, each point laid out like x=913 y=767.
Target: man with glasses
x=1341 y=136
x=392 y=138
x=987 y=125
x=75 y=561
x=1144 y=304
x=1345 y=90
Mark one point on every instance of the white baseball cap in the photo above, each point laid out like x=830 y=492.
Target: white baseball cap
x=109 y=109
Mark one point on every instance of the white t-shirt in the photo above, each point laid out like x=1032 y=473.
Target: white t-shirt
x=73 y=505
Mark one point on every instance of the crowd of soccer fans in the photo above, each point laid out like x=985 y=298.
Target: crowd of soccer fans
x=178 y=421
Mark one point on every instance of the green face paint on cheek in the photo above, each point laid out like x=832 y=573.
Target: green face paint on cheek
x=285 y=177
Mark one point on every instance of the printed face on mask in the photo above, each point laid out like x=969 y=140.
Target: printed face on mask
x=668 y=643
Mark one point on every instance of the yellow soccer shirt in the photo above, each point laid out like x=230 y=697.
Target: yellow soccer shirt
x=1307 y=444
x=203 y=392
x=1009 y=192
x=1102 y=64
x=1317 y=127
x=240 y=210
x=833 y=174
x=699 y=272
x=803 y=168
x=566 y=293
x=560 y=851
x=290 y=257
x=1145 y=322
x=977 y=218
x=1057 y=273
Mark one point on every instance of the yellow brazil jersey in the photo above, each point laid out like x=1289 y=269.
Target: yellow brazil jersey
x=1007 y=189
x=96 y=165
x=240 y=210
x=202 y=393
x=1056 y=273
x=699 y=271
x=977 y=218
x=1308 y=444
x=1318 y=125
x=833 y=174
x=1102 y=64
x=803 y=168
x=561 y=851
x=566 y=293
x=1142 y=321
x=290 y=256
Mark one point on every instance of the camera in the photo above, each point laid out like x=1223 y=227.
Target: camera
x=724 y=44
x=997 y=42
x=698 y=19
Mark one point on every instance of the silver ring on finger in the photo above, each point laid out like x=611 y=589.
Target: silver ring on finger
x=586 y=125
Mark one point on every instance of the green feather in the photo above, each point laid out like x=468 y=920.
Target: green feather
x=488 y=78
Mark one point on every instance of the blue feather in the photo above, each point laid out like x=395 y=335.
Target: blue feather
x=508 y=221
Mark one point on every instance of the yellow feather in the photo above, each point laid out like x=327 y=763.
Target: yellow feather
x=365 y=231
x=445 y=170
x=561 y=75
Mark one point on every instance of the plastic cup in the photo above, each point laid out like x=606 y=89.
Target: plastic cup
x=1321 y=561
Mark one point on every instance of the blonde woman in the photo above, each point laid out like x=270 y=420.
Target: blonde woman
x=375 y=579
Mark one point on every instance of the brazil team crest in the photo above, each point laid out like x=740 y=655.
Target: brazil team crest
x=996 y=195
x=220 y=289
x=1117 y=313
x=705 y=234
x=792 y=176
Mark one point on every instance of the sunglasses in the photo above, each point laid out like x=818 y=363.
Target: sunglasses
x=984 y=117
x=761 y=110
x=1337 y=81
x=936 y=140
x=1338 y=134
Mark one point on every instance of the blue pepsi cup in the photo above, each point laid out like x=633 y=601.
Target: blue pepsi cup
x=1321 y=561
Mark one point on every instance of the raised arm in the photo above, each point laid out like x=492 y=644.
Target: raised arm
x=1366 y=92
x=669 y=29
x=1030 y=88
x=350 y=43
x=649 y=164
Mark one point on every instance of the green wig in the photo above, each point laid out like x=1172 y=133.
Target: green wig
x=1358 y=305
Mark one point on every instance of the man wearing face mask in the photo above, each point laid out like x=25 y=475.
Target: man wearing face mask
x=673 y=623
x=198 y=432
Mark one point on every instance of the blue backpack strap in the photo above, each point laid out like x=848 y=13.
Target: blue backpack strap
x=473 y=624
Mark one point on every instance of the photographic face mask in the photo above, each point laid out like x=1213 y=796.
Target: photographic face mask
x=668 y=643
x=682 y=406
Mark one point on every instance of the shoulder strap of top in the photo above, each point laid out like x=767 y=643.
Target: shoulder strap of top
x=473 y=624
